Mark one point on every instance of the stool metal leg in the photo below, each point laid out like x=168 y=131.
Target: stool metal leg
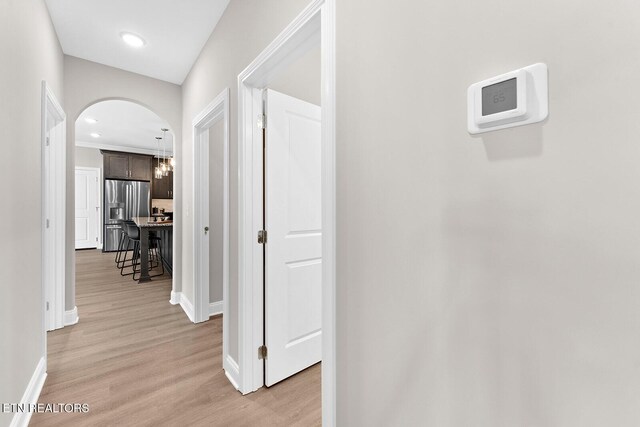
x=123 y=250
x=160 y=260
x=132 y=259
x=119 y=251
x=158 y=257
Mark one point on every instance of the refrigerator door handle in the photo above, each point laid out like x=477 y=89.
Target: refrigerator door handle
x=127 y=190
x=134 y=198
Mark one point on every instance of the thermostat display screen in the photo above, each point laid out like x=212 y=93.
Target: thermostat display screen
x=499 y=97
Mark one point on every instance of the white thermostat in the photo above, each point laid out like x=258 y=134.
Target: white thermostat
x=516 y=98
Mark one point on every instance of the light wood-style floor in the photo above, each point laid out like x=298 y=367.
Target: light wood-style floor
x=139 y=361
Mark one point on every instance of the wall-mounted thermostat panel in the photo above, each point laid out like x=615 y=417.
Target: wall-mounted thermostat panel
x=516 y=98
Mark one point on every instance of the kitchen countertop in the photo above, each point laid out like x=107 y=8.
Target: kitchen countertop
x=147 y=221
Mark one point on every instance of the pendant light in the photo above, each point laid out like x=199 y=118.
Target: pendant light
x=166 y=167
x=158 y=170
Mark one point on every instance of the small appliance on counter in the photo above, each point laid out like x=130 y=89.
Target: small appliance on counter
x=158 y=212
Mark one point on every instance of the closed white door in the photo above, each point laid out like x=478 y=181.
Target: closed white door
x=293 y=252
x=87 y=208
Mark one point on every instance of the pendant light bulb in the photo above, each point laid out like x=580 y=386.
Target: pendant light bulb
x=166 y=165
x=158 y=172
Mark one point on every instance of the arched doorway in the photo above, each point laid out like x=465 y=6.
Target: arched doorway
x=113 y=133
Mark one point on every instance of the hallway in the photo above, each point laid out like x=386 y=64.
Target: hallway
x=137 y=360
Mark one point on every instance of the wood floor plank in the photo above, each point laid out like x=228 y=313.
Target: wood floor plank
x=139 y=361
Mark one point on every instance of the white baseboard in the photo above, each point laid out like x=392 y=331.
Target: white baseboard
x=187 y=307
x=232 y=371
x=175 y=298
x=215 y=308
x=31 y=394
x=71 y=317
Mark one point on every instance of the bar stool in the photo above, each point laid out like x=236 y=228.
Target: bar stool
x=155 y=251
x=120 y=241
x=128 y=243
x=124 y=243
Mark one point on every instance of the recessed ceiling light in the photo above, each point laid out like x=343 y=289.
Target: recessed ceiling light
x=95 y=135
x=133 y=40
x=90 y=120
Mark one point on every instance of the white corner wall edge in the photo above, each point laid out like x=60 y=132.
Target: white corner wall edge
x=232 y=371
x=215 y=308
x=31 y=394
x=71 y=317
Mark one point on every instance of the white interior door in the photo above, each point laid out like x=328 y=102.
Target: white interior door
x=87 y=208
x=293 y=255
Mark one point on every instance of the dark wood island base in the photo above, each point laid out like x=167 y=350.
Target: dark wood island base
x=164 y=229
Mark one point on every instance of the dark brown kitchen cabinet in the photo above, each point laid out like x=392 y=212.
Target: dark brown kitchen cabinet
x=126 y=166
x=162 y=188
x=140 y=167
x=116 y=166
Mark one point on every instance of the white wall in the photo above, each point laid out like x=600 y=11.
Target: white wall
x=301 y=79
x=227 y=52
x=30 y=53
x=88 y=157
x=487 y=281
x=88 y=82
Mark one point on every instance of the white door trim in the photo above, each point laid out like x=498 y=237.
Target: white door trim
x=316 y=24
x=99 y=202
x=328 y=65
x=217 y=110
x=53 y=205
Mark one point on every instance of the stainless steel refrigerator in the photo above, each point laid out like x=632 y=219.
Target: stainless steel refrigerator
x=123 y=200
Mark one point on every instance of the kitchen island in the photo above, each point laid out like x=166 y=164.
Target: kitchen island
x=164 y=230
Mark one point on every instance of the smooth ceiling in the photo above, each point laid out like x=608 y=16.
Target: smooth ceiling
x=175 y=32
x=122 y=124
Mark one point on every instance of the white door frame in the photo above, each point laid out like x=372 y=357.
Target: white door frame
x=316 y=24
x=53 y=211
x=99 y=210
x=216 y=111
